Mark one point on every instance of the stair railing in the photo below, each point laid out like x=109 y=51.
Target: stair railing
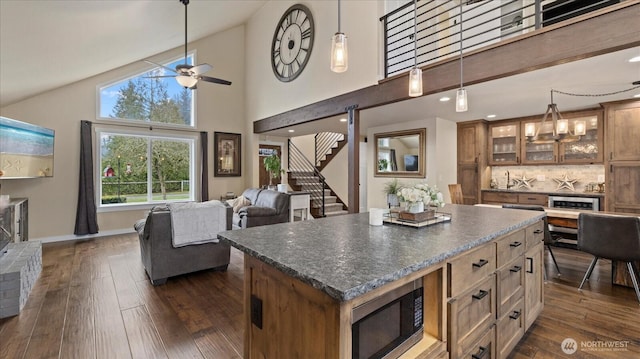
x=325 y=142
x=299 y=164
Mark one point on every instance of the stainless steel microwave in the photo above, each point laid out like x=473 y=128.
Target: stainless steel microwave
x=389 y=325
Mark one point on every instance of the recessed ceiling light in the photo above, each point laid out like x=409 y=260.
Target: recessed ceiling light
x=635 y=59
x=292 y=130
x=343 y=120
x=491 y=116
x=637 y=95
x=444 y=99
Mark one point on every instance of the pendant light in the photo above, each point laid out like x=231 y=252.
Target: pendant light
x=461 y=95
x=415 y=75
x=339 y=54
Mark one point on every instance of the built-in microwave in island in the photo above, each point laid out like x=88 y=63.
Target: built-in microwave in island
x=389 y=325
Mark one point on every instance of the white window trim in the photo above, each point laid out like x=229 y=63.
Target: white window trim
x=194 y=158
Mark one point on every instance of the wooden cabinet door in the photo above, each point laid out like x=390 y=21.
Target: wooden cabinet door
x=504 y=144
x=623 y=132
x=623 y=187
x=473 y=173
x=468 y=179
x=467 y=144
x=533 y=284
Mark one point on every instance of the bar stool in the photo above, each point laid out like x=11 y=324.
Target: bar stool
x=455 y=191
x=612 y=237
x=548 y=239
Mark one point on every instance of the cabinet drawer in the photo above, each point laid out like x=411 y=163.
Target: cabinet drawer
x=531 y=198
x=509 y=330
x=534 y=234
x=484 y=348
x=510 y=285
x=471 y=314
x=499 y=197
x=510 y=247
x=470 y=268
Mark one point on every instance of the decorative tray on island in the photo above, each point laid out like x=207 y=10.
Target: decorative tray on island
x=417 y=220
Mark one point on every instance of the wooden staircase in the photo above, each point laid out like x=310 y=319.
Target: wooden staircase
x=309 y=182
x=330 y=153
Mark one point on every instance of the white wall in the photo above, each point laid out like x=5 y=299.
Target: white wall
x=440 y=157
x=267 y=96
x=52 y=201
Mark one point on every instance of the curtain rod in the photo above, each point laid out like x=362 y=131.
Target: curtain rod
x=150 y=127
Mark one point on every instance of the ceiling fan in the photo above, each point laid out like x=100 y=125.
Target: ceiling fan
x=188 y=75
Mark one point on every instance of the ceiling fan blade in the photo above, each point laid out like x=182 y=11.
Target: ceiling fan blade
x=164 y=67
x=157 y=77
x=214 y=80
x=200 y=69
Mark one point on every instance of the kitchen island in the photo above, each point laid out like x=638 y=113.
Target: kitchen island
x=303 y=279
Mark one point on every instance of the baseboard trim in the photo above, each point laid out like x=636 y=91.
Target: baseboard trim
x=73 y=237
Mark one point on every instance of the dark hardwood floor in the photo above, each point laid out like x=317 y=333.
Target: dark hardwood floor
x=93 y=300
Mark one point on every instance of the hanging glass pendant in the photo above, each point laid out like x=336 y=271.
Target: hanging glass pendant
x=415 y=82
x=339 y=53
x=461 y=100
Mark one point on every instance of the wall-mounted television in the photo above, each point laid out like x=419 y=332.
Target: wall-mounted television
x=26 y=150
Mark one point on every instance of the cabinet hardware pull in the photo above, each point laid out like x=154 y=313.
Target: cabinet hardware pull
x=531 y=199
x=537 y=231
x=517 y=159
x=515 y=244
x=481 y=353
x=515 y=315
x=515 y=269
x=480 y=263
x=610 y=168
x=530 y=270
x=480 y=295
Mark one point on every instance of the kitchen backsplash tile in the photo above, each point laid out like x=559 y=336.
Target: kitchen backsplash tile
x=584 y=174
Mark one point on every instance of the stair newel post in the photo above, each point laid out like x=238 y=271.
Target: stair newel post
x=288 y=156
x=322 y=191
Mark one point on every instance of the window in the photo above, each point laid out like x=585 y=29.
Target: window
x=139 y=168
x=152 y=96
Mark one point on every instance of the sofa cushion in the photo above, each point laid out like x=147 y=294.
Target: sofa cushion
x=274 y=199
x=251 y=194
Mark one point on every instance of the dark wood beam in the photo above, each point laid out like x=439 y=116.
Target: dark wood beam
x=353 y=146
x=607 y=30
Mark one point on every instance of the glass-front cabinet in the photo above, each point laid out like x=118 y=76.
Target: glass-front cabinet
x=504 y=144
x=541 y=150
x=586 y=146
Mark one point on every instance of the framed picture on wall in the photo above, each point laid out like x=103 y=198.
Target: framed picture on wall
x=227 y=155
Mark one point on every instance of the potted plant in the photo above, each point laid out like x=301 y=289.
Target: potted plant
x=273 y=166
x=391 y=189
x=382 y=164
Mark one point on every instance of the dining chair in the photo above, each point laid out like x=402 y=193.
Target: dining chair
x=455 y=191
x=613 y=237
x=548 y=238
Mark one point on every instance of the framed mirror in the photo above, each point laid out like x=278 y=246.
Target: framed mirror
x=400 y=153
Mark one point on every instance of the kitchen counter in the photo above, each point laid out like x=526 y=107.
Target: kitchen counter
x=557 y=193
x=345 y=257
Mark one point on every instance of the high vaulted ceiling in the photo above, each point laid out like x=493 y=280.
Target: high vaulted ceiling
x=48 y=44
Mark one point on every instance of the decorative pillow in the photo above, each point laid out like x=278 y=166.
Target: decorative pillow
x=239 y=203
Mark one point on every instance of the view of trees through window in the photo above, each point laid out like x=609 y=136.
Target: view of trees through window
x=145 y=168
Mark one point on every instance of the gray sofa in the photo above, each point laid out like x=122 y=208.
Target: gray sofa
x=267 y=207
x=161 y=260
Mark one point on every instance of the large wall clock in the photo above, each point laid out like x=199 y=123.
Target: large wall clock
x=292 y=43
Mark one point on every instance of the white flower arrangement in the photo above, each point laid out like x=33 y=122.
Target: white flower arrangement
x=421 y=192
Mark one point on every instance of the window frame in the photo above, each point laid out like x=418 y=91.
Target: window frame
x=134 y=74
x=192 y=139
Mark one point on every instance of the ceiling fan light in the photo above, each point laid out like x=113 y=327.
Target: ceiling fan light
x=415 y=82
x=339 y=53
x=186 y=81
x=461 y=100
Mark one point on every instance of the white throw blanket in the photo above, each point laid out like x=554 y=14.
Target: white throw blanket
x=195 y=223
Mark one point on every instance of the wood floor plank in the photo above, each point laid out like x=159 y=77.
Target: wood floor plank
x=214 y=344
x=47 y=332
x=79 y=338
x=142 y=334
x=124 y=282
x=111 y=338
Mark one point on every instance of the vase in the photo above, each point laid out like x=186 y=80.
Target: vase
x=415 y=207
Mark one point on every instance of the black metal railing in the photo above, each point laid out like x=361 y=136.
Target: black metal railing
x=311 y=180
x=437 y=25
x=325 y=142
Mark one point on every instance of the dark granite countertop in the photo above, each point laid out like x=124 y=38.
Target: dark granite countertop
x=346 y=257
x=558 y=193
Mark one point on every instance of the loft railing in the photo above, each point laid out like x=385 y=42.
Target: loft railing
x=325 y=142
x=300 y=166
x=483 y=23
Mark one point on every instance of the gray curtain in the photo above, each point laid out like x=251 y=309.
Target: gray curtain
x=86 y=217
x=204 y=181
x=393 y=162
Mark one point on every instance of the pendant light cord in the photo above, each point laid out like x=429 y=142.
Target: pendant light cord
x=186 y=2
x=461 y=73
x=339 y=17
x=415 y=33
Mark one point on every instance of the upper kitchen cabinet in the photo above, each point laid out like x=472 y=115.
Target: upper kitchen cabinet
x=544 y=150
x=589 y=146
x=504 y=143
